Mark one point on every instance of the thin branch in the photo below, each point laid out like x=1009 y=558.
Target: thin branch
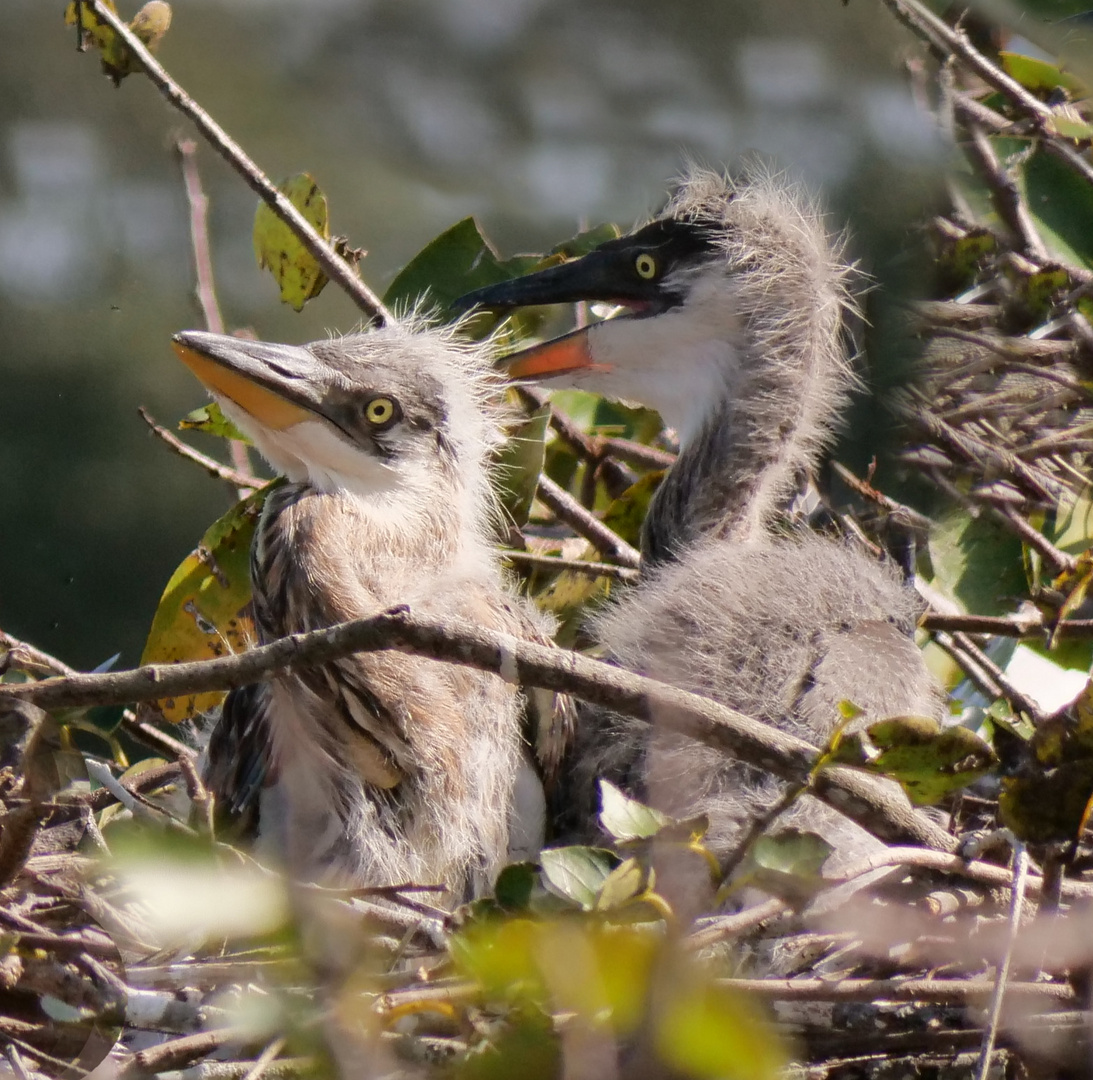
x=586 y=524
x=1057 y=559
x=635 y=453
x=1002 y=985
x=1006 y=195
x=945 y=40
x=586 y=447
x=578 y=566
x=244 y=483
x=205 y=288
x=886 y=814
x=954 y=991
x=178 y=1052
x=334 y=266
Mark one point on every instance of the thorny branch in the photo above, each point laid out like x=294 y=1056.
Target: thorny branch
x=334 y=266
x=528 y=664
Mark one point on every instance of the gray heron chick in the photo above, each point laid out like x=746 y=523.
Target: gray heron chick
x=735 y=302
x=387 y=768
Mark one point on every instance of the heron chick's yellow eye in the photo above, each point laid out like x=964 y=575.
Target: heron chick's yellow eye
x=646 y=266
x=382 y=411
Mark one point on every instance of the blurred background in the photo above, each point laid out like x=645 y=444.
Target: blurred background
x=535 y=115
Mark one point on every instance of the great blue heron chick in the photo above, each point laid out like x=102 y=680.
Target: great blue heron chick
x=733 y=328
x=388 y=768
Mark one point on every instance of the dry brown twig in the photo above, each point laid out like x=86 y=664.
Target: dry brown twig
x=586 y=524
x=529 y=664
x=205 y=287
x=242 y=482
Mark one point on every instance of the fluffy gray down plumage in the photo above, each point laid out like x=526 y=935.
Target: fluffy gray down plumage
x=781 y=630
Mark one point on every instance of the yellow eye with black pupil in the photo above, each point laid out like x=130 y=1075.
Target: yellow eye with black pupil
x=646 y=266
x=380 y=411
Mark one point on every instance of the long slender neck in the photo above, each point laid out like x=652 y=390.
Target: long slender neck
x=786 y=380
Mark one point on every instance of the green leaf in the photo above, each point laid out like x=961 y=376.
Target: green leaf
x=1061 y=204
x=626 y=514
x=458 y=260
x=212 y=421
x=786 y=864
x=519 y=463
x=202 y=612
x=515 y=886
x=629 y=881
x=149 y=24
x=577 y=873
x=977 y=562
x=1040 y=76
x=625 y=818
x=927 y=761
x=294 y=268
x=586 y=241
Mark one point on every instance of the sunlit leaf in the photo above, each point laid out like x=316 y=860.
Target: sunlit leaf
x=928 y=761
x=1038 y=75
x=212 y=421
x=458 y=260
x=294 y=268
x=786 y=864
x=977 y=562
x=577 y=873
x=202 y=611
x=625 y=818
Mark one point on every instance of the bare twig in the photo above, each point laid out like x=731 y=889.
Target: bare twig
x=1001 y=984
x=578 y=566
x=1005 y=194
x=955 y=991
x=177 y=1052
x=646 y=457
x=855 y=794
x=586 y=524
x=244 y=483
x=205 y=289
x=334 y=266
x=945 y=41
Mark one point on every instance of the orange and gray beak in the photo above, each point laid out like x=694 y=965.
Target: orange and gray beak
x=279 y=385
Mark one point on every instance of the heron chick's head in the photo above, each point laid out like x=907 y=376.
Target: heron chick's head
x=734 y=273
x=400 y=413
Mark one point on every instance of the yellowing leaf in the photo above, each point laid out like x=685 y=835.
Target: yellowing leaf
x=202 y=611
x=297 y=273
x=149 y=25
x=927 y=760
